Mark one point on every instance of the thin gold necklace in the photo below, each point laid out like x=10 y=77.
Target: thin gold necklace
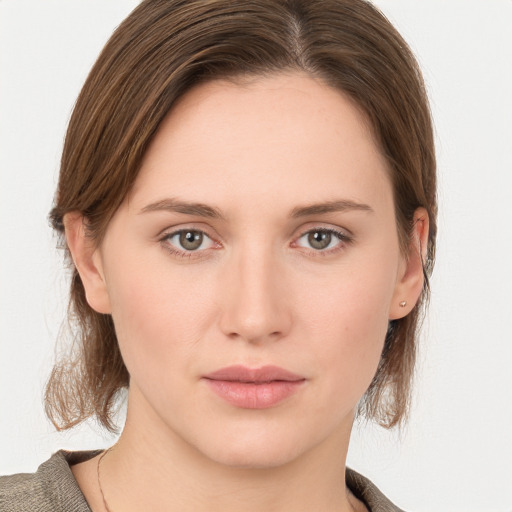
x=99 y=481
x=105 y=504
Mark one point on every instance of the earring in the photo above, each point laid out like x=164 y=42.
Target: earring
x=403 y=304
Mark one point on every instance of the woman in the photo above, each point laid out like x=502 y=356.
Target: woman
x=247 y=193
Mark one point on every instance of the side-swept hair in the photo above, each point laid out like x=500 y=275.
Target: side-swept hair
x=162 y=50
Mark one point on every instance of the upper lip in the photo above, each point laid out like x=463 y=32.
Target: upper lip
x=239 y=373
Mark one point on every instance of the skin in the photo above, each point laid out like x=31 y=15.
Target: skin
x=256 y=292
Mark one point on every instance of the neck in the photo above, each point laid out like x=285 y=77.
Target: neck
x=162 y=472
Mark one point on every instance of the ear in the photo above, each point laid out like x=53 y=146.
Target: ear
x=410 y=277
x=87 y=259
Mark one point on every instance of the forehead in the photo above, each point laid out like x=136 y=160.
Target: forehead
x=288 y=136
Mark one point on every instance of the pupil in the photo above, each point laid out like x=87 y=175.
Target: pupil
x=191 y=240
x=319 y=239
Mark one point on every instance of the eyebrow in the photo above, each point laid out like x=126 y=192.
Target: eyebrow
x=204 y=210
x=174 y=205
x=341 y=205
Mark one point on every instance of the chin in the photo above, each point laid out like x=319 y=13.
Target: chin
x=259 y=448
x=252 y=458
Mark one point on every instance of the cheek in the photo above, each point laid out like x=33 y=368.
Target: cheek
x=347 y=319
x=159 y=315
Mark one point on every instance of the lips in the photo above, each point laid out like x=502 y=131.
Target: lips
x=254 y=375
x=254 y=388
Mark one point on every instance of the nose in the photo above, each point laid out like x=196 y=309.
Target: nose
x=256 y=305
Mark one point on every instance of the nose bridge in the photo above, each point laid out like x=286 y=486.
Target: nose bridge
x=256 y=307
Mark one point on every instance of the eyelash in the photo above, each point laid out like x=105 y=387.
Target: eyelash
x=343 y=238
x=165 y=241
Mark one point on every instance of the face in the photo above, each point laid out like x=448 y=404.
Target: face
x=252 y=271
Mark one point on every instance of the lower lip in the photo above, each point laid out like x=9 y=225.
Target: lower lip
x=250 y=395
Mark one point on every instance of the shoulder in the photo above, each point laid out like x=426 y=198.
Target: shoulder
x=369 y=493
x=21 y=492
x=52 y=488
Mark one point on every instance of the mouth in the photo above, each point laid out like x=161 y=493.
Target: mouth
x=254 y=388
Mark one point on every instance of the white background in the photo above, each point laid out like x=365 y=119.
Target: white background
x=456 y=452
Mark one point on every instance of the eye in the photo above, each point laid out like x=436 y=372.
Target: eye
x=322 y=239
x=189 y=240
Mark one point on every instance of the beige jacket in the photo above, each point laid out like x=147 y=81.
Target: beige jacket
x=53 y=488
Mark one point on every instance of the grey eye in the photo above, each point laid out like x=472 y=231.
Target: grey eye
x=191 y=240
x=319 y=239
x=188 y=242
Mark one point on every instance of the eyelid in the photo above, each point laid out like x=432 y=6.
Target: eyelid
x=167 y=234
x=344 y=236
x=321 y=226
x=183 y=226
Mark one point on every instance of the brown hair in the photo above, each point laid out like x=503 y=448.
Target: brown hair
x=159 y=52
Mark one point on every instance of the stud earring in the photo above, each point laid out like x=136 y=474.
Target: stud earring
x=403 y=304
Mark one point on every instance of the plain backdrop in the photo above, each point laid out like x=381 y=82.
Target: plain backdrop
x=456 y=452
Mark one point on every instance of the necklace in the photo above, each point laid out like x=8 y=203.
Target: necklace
x=99 y=481
x=351 y=497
